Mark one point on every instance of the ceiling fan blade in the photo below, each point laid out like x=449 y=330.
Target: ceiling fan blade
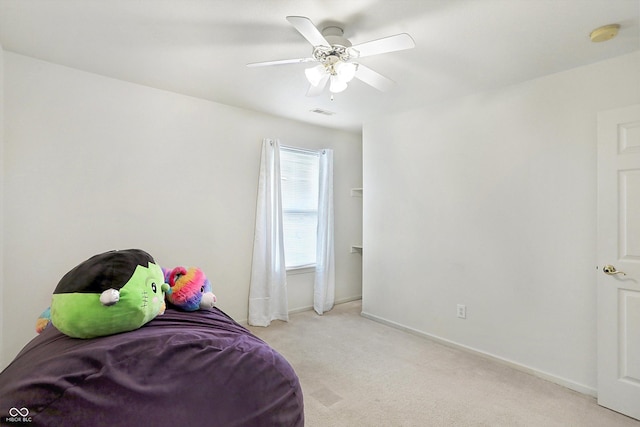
x=373 y=78
x=319 y=88
x=387 y=44
x=281 y=62
x=308 y=30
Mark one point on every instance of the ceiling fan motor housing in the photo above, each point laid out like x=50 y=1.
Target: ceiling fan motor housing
x=339 y=49
x=335 y=36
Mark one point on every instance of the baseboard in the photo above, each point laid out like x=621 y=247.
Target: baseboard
x=245 y=322
x=572 y=385
x=336 y=302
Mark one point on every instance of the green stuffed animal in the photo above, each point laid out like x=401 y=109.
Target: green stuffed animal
x=116 y=291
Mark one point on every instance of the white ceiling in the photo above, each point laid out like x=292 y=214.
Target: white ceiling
x=201 y=47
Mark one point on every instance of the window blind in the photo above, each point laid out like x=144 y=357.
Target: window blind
x=300 y=179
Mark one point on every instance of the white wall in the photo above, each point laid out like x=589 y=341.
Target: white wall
x=1 y=196
x=93 y=164
x=490 y=201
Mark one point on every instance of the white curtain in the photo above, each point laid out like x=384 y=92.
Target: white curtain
x=268 y=289
x=324 y=285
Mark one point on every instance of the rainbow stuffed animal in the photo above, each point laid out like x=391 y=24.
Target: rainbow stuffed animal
x=43 y=320
x=190 y=289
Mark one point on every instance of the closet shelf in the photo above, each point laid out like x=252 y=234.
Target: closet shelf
x=356 y=248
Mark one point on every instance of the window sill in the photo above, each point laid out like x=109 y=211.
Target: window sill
x=301 y=270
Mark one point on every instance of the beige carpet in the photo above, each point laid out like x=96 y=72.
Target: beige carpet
x=356 y=372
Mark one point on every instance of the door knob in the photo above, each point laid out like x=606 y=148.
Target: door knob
x=611 y=270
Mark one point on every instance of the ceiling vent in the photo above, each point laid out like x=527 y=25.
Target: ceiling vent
x=323 y=112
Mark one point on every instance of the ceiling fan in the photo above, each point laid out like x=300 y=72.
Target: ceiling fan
x=337 y=57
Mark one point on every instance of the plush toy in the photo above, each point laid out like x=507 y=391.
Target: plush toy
x=189 y=289
x=112 y=292
x=43 y=320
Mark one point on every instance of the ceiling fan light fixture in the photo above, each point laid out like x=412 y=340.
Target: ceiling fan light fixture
x=315 y=74
x=346 y=71
x=337 y=85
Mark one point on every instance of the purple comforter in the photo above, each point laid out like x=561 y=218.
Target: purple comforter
x=181 y=369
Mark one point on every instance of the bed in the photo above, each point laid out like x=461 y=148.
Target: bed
x=181 y=369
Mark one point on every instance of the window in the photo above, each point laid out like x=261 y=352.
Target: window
x=299 y=170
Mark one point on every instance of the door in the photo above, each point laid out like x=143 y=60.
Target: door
x=619 y=260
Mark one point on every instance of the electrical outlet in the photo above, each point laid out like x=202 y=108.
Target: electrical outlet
x=462 y=311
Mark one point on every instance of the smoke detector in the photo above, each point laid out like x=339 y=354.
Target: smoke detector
x=604 y=33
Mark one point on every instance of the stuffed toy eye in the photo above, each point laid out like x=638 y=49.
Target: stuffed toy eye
x=202 y=289
x=154 y=288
